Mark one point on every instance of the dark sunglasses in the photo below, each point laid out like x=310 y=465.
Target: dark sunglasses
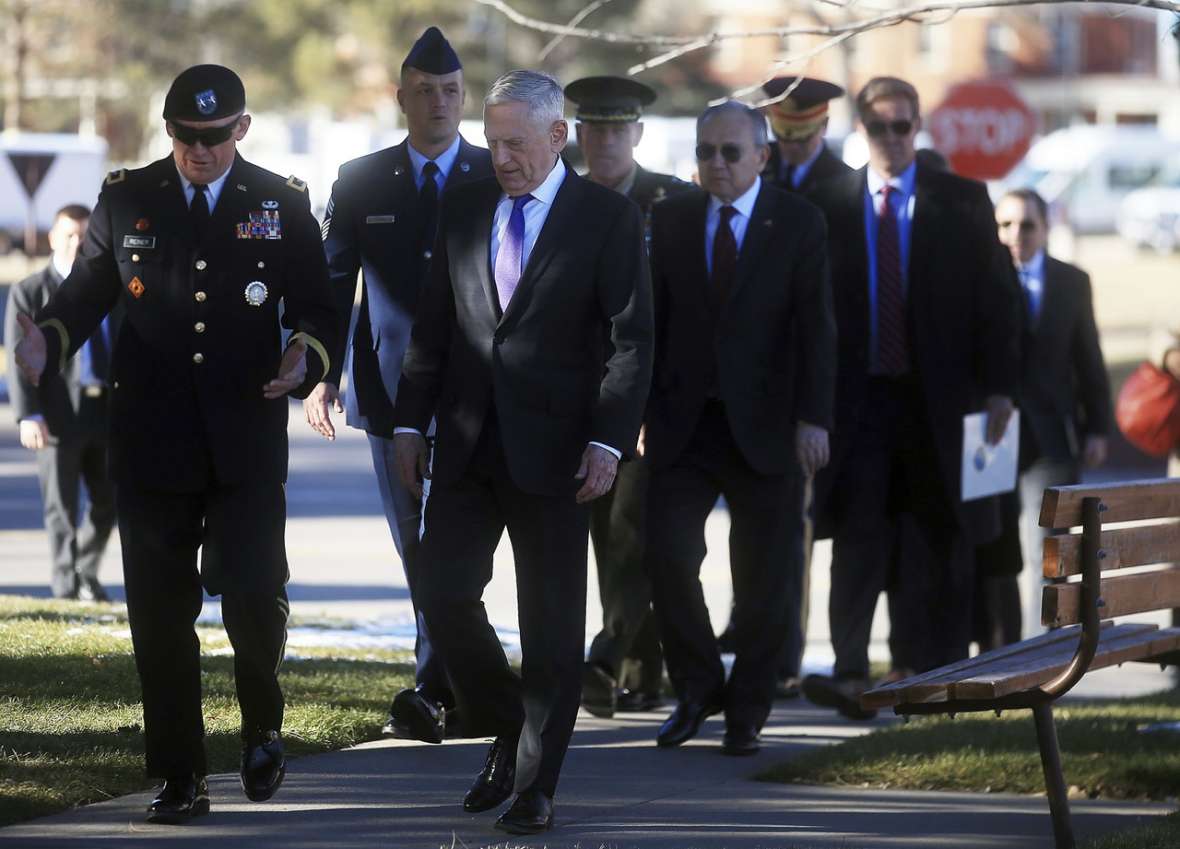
x=209 y=137
x=729 y=152
x=1026 y=226
x=876 y=129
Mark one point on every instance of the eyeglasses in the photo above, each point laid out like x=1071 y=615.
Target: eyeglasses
x=1026 y=226
x=729 y=152
x=876 y=129
x=209 y=137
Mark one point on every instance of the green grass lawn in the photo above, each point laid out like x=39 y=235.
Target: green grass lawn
x=71 y=721
x=1105 y=754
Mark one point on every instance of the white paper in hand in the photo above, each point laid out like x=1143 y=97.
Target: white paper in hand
x=989 y=469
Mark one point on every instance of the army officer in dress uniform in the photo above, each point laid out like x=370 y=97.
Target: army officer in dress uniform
x=200 y=248
x=799 y=158
x=625 y=665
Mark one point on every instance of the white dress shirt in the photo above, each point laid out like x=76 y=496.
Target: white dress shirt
x=737 y=223
x=212 y=190
x=445 y=162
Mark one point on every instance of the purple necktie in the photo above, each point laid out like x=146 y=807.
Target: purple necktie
x=893 y=354
x=510 y=253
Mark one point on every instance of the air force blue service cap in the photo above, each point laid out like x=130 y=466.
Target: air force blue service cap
x=432 y=54
x=205 y=93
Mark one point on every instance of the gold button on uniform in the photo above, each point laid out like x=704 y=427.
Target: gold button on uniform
x=261 y=264
x=135 y=257
x=202 y=265
x=198 y=358
x=199 y=327
x=200 y=296
x=426 y=254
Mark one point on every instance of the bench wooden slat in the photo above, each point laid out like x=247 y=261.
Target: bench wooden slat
x=1124 y=547
x=926 y=686
x=1061 y=506
x=1119 y=648
x=1034 y=656
x=1158 y=590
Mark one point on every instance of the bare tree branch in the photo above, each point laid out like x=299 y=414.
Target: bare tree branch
x=574 y=21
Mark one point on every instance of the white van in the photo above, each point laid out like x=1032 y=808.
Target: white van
x=1084 y=172
x=75 y=169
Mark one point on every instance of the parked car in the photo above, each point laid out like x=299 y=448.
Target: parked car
x=1084 y=172
x=1150 y=217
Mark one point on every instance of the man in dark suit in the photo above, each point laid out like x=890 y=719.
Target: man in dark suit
x=799 y=159
x=199 y=249
x=624 y=668
x=65 y=421
x=1065 y=407
x=927 y=314
x=741 y=405
x=381 y=220
x=532 y=349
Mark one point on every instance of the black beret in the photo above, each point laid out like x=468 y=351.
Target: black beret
x=205 y=93
x=432 y=54
x=609 y=99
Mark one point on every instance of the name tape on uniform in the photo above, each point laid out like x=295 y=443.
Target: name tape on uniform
x=141 y=242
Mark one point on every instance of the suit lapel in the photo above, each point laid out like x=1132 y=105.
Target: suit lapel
x=559 y=221
x=923 y=229
x=480 y=239
x=695 y=261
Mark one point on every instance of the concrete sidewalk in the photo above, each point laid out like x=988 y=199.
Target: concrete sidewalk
x=618 y=791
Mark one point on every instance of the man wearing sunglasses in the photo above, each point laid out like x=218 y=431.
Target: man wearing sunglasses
x=199 y=249
x=381 y=220
x=1065 y=410
x=740 y=406
x=927 y=312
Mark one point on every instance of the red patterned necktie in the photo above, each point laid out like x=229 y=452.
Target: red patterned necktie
x=724 y=255
x=893 y=350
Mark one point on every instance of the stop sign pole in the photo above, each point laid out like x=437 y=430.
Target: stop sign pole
x=983 y=128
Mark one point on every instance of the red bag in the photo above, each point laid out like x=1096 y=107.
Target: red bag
x=1148 y=410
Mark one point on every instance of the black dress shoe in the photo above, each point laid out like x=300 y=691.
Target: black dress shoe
x=264 y=764
x=598 y=691
x=530 y=813
x=494 y=783
x=179 y=800
x=413 y=716
x=843 y=694
x=634 y=701
x=740 y=739
x=684 y=723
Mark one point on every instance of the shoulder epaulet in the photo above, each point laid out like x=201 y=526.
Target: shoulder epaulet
x=117 y=176
x=297 y=184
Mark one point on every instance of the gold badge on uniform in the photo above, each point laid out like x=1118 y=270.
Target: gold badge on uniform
x=255 y=293
x=135 y=287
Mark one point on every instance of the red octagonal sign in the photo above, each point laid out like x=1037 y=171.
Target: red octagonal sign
x=983 y=128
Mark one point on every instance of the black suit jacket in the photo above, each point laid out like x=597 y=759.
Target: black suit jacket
x=193 y=354
x=57 y=398
x=569 y=361
x=771 y=347
x=826 y=166
x=1064 y=389
x=372 y=225
x=963 y=311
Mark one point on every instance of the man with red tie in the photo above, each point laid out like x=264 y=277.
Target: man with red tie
x=741 y=405
x=928 y=325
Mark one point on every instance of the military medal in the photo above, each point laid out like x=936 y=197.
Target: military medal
x=255 y=293
x=464 y=167
x=135 y=287
x=261 y=225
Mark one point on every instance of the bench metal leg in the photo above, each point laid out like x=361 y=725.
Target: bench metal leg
x=1054 y=780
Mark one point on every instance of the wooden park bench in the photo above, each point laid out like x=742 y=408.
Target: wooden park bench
x=1087 y=589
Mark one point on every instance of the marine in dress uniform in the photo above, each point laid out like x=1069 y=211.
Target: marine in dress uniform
x=200 y=249
x=381 y=220
x=799 y=158
x=624 y=669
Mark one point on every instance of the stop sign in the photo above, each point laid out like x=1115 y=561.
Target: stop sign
x=983 y=129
